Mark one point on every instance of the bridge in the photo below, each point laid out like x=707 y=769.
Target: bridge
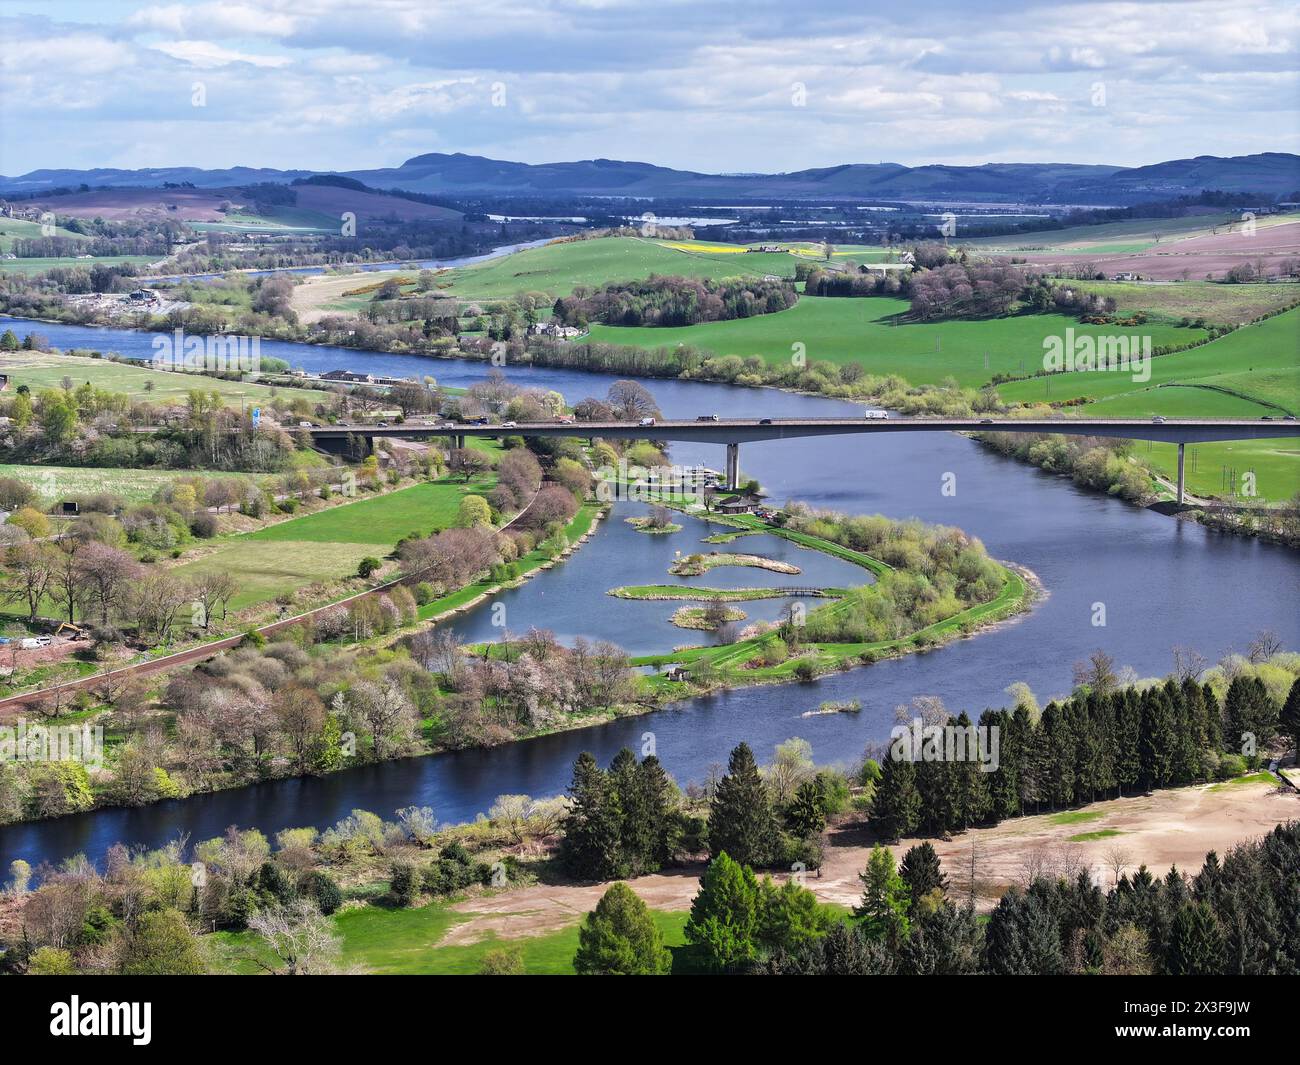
x=736 y=431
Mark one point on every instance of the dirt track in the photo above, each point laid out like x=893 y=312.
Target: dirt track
x=1161 y=829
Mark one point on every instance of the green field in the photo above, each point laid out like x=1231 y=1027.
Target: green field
x=406 y=942
x=1215 y=302
x=38 y=370
x=328 y=545
x=1251 y=372
x=70 y=482
x=867 y=331
x=37 y=266
x=382 y=520
x=556 y=268
x=12 y=229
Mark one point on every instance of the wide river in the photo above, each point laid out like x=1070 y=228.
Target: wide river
x=1161 y=582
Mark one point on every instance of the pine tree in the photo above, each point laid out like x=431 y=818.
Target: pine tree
x=591 y=846
x=806 y=815
x=922 y=873
x=1195 y=943
x=896 y=807
x=741 y=821
x=1158 y=741
x=883 y=909
x=620 y=938
x=724 y=914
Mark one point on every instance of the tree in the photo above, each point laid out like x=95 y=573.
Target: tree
x=896 y=806
x=162 y=945
x=922 y=873
x=301 y=938
x=789 y=917
x=1022 y=938
x=631 y=401
x=367 y=566
x=30 y=570
x=473 y=511
x=31 y=521
x=1195 y=943
x=504 y=961
x=741 y=821
x=620 y=938
x=590 y=849
x=301 y=716
x=883 y=909
x=724 y=914
x=1290 y=718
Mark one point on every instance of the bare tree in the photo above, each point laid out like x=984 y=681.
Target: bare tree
x=1264 y=646
x=300 y=936
x=1117 y=860
x=1188 y=663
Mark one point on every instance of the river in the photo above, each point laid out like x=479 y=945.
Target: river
x=1160 y=582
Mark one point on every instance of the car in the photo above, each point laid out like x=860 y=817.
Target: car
x=1265 y=417
x=1288 y=417
x=1158 y=420
x=707 y=418
x=764 y=421
x=986 y=421
x=509 y=425
x=382 y=425
x=875 y=413
x=647 y=421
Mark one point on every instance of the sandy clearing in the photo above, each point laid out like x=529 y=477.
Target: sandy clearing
x=1164 y=828
x=311 y=297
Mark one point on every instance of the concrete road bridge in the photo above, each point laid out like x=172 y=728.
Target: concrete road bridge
x=732 y=432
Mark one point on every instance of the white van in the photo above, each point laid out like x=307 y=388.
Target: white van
x=873 y=413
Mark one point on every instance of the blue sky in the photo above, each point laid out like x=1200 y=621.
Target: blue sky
x=755 y=86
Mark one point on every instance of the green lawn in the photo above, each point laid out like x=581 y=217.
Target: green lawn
x=867 y=331
x=12 y=229
x=380 y=521
x=405 y=942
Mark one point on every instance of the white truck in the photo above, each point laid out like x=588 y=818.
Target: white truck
x=874 y=413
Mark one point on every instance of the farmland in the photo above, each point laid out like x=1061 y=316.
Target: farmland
x=869 y=331
x=39 y=370
x=72 y=482
x=1216 y=303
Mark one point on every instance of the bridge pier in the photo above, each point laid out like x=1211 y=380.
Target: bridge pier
x=1181 y=479
x=458 y=441
x=733 y=467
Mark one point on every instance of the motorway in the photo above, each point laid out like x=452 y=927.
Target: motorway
x=747 y=430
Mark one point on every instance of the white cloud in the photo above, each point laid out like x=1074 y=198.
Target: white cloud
x=208 y=54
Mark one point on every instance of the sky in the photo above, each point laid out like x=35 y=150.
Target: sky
x=763 y=85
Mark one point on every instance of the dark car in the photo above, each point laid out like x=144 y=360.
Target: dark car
x=764 y=421
x=707 y=418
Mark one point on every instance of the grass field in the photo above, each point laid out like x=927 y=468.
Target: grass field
x=38 y=370
x=557 y=268
x=12 y=229
x=405 y=942
x=1249 y=373
x=1217 y=303
x=1258 y=362
x=69 y=482
x=866 y=330
x=328 y=545
x=37 y=266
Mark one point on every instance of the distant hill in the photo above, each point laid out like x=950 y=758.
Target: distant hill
x=1270 y=174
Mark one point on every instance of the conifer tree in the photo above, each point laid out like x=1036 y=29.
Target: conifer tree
x=896 y=807
x=1195 y=943
x=725 y=914
x=922 y=873
x=741 y=821
x=883 y=909
x=620 y=938
x=591 y=846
